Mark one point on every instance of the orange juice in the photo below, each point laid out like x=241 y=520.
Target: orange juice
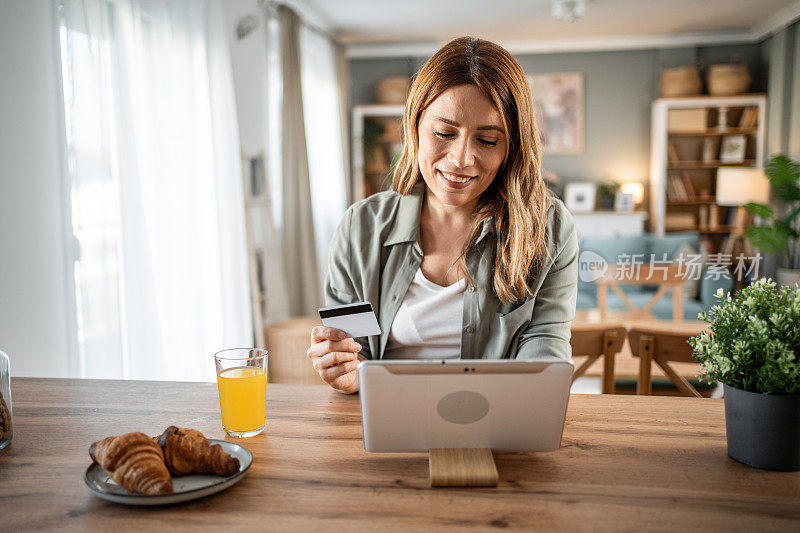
x=242 y=398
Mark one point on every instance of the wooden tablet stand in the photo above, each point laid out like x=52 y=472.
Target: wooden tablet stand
x=462 y=467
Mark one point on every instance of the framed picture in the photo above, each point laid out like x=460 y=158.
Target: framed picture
x=579 y=196
x=732 y=149
x=558 y=108
x=623 y=202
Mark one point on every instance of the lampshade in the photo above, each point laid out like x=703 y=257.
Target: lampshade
x=635 y=189
x=740 y=185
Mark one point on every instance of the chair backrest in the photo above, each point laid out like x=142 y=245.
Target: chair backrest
x=662 y=346
x=594 y=341
x=589 y=339
x=287 y=343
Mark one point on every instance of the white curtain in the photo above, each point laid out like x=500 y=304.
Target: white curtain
x=307 y=110
x=324 y=137
x=155 y=185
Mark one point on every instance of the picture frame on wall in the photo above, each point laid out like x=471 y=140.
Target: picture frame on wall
x=558 y=108
x=579 y=196
x=732 y=149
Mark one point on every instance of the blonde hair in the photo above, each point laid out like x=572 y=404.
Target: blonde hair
x=517 y=200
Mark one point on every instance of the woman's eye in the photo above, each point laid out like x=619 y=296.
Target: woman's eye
x=487 y=143
x=444 y=135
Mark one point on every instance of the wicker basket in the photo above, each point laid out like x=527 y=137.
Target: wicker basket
x=392 y=90
x=727 y=78
x=680 y=81
x=287 y=343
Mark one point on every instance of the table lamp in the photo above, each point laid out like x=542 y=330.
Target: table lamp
x=737 y=186
x=634 y=188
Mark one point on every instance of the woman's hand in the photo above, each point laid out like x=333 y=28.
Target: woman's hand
x=335 y=358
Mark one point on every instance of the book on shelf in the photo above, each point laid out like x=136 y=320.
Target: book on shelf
x=687 y=183
x=679 y=221
x=749 y=117
x=672 y=152
x=671 y=196
x=678 y=187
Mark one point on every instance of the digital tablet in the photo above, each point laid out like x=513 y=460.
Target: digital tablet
x=413 y=406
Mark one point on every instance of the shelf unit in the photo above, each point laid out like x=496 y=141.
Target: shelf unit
x=679 y=152
x=376 y=140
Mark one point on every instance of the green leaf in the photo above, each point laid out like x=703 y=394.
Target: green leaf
x=792 y=215
x=782 y=171
x=761 y=210
x=787 y=192
x=769 y=239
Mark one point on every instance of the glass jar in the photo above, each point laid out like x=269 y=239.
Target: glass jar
x=5 y=401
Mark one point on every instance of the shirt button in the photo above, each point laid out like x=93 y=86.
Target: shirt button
x=472 y=288
x=394 y=298
x=470 y=329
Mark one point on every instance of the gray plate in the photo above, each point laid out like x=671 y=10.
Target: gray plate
x=185 y=488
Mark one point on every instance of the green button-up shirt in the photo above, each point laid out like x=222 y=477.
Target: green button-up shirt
x=375 y=254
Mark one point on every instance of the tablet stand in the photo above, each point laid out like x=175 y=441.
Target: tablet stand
x=462 y=467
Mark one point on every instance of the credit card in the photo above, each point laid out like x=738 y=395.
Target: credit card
x=357 y=319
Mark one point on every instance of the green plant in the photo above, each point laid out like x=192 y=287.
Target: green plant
x=781 y=234
x=609 y=188
x=754 y=342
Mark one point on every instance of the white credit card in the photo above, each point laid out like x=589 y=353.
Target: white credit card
x=357 y=319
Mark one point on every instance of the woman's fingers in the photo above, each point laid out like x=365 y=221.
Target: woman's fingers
x=321 y=348
x=333 y=359
x=333 y=372
x=323 y=333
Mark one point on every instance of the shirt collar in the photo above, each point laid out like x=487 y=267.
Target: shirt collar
x=405 y=227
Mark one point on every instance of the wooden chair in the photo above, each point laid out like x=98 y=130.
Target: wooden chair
x=662 y=344
x=595 y=341
x=287 y=343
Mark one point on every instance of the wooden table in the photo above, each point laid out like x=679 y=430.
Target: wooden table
x=627 y=463
x=667 y=277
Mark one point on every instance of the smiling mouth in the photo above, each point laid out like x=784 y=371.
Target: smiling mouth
x=455 y=178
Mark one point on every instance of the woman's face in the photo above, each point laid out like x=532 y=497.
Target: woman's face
x=461 y=145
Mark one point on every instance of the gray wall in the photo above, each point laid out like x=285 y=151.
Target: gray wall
x=619 y=89
x=35 y=304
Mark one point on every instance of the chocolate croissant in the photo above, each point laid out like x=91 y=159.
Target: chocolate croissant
x=187 y=451
x=134 y=461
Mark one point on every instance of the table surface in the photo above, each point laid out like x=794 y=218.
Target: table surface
x=626 y=463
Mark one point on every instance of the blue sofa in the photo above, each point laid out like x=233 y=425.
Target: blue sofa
x=671 y=244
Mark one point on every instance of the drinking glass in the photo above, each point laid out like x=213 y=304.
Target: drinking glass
x=242 y=383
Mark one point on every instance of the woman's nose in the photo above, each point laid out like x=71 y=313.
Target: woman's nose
x=461 y=154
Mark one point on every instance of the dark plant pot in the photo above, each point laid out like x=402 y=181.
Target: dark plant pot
x=607 y=202
x=763 y=430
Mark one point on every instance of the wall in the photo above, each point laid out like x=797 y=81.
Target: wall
x=34 y=289
x=619 y=89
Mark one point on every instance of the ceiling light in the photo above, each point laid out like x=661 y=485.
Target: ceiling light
x=571 y=10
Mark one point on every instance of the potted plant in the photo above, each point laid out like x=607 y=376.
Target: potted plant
x=753 y=349
x=607 y=191
x=780 y=235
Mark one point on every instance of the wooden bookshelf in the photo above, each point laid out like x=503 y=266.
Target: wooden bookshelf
x=376 y=141
x=691 y=138
x=689 y=165
x=713 y=132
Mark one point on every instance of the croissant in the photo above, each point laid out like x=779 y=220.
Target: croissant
x=187 y=451
x=134 y=461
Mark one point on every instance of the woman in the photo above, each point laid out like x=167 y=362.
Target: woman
x=468 y=256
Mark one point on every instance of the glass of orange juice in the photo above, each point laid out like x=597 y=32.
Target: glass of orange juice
x=242 y=382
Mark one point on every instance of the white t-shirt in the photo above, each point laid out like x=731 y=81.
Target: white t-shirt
x=429 y=321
